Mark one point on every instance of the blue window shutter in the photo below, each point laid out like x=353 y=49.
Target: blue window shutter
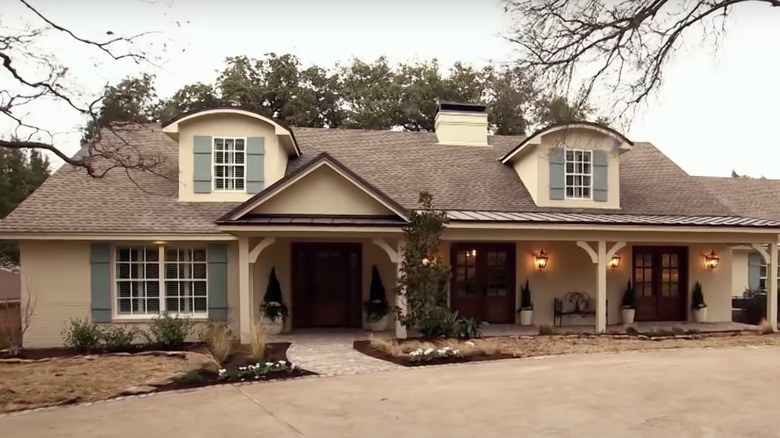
x=255 y=164
x=201 y=171
x=754 y=270
x=100 y=282
x=557 y=176
x=217 y=272
x=600 y=179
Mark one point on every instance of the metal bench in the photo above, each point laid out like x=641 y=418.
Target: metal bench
x=573 y=303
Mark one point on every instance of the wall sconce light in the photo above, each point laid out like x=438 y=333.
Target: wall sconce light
x=711 y=260
x=614 y=263
x=426 y=261
x=540 y=260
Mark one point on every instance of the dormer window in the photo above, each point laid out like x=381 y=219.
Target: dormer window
x=229 y=164
x=579 y=173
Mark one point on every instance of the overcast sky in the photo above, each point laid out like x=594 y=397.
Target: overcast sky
x=713 y=115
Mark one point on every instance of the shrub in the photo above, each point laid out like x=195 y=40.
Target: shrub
x=440 y=322
x=765 y=327
x=468 y=328
x=83 y=335
x=545 y=329
x=219 y=339
x=118 y=338
x=629 y=298
x=697 y=298
x=525 y=297
x=257 y=341
x=273 y=307
x=385 y=345
x=376 y=307
x=422 y=356
x=167 y=332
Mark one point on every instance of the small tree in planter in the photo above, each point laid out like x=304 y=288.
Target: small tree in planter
x=376 y=307
x=698 y=305
x=628 y=305
x=273 y=310
x=424 y=281
x=526 y=305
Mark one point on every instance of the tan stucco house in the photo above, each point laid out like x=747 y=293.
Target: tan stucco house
x=240 y=194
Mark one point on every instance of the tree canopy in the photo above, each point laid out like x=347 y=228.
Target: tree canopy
x=357 y=94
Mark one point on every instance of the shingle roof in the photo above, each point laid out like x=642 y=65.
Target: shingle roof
x=400 y=164
x=615 y=219
x=751 y=197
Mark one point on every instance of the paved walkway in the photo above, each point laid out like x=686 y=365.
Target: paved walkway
x=330 y=353
x=671 y=393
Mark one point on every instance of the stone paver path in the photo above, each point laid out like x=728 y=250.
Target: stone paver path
x=330 y=353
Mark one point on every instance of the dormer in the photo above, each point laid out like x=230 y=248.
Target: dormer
x=229 y=154
x=574 y=165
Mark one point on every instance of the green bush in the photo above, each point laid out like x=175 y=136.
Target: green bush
x=118 y=338
x=629 y=297
x=167 y=332
x=525 y=297
x=439 y=322
x=83 y=335
x=697 y=298
x=469 y=328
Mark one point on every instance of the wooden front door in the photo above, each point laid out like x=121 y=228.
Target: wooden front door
x=660 y=282
x=327 y=284
x=483 y=281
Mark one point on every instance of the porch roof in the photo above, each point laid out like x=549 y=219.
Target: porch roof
x=316 y=219
x=617 y=219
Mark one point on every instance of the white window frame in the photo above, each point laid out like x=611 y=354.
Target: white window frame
x=214 y=164
x=115 y=315
x=762 y=276
x=574 y=173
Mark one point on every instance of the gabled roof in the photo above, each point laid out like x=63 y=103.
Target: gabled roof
x=533 y=138
x=322 y=159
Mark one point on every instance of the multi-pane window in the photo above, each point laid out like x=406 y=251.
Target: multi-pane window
x=229 y=164
x=155 y=279
x=762 y=277
x=579 y=173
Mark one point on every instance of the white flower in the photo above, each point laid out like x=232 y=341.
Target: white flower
x=282 y=362
x=269 y=364
x=456 y=352
x=428 y=351
x=222 y=371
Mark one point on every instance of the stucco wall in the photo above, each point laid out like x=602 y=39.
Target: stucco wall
x=279 y=255
x=323 y=191
x=228 y=125
x=575 y=138
x=740 y=271
x=461 y=128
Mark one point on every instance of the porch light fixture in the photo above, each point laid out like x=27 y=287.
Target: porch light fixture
x=472 y=253
x=540 y=260
x=711 y=260
x=426 y=261
x=614 y=263
x=159 y=242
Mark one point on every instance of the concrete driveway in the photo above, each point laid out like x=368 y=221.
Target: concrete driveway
x=684 y=393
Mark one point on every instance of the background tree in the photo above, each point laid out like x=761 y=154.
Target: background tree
x=21 y=172
x=621 y=46
x=31 y=72
x=189 y=98
x=133 y=100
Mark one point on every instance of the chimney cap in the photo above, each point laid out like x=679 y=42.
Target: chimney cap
x=461 y=107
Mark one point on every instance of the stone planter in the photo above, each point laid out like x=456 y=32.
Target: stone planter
x=379 y=325
x=273 y=326
x=628 y=315
x=526 y=316
x=700 y=314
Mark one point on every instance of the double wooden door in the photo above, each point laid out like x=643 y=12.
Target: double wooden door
x=327 y=284
x=483 y=281
x=660 y=283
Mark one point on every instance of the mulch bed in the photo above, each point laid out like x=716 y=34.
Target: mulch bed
x=366 y=348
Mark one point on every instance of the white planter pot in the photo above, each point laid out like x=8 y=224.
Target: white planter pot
x=628 y=315
x=526 y=316
x=273 y=327
x=379 y=325
x=700 y=315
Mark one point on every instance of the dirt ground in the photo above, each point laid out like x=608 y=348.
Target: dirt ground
x=693 y=392
x=71 y=380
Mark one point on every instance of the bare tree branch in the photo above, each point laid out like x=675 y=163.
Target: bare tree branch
x=620 y=46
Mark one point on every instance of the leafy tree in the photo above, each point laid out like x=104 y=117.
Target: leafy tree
x=622 y=46
x=132 y=100
x=370 y=94
x=20 y=174
x=189 y=98
x=510 y=100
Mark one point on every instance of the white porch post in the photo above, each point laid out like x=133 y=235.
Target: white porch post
x=771 y=278
x=400 y=299
x=601 y=288
x=244 y=290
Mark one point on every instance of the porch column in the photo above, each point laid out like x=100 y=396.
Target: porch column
x=244 y=290
x=771 y=293
x=601 y=288
x=400 y=299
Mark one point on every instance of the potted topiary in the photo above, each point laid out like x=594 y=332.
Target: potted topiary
x=698 y=305
x=628 y=305
x=376 y=307
x=273 y=311
x=526 y=305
